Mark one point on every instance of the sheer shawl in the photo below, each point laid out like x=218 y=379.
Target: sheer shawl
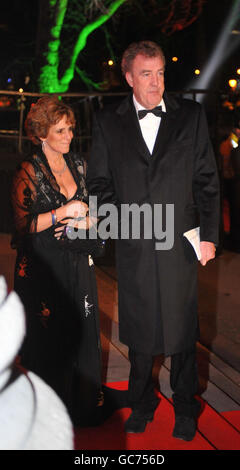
x=36 y=191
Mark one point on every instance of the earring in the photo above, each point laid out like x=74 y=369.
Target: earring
x=43 y=145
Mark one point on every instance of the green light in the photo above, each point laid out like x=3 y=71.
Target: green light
x=49 y=81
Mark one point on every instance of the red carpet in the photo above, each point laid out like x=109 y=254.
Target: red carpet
x=215 y=431
x=233 y=417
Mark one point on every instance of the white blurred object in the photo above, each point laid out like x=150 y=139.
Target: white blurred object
x=12 y=326
x=32 y=416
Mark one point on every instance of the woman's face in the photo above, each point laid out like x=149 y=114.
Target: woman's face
x=60 y=136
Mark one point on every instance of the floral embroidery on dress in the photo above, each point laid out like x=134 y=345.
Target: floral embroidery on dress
x=100 y=399
x=83 y=188
x=45 y=313
x=90 y=260
x=27 y=200
x=39 y=175
x=44 y=188
x=22 y=267
x=87 y=306
x=80 y=168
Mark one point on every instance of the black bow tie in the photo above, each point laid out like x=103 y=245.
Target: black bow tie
x=157 y=111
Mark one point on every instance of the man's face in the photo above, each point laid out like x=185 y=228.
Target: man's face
x=146 y=77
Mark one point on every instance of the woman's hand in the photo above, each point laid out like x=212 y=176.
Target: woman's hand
x=75 y=209
x=69 y=224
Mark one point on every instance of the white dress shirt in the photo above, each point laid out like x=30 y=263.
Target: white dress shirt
x=149 y=124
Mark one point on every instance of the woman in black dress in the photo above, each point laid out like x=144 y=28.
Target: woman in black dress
x=56 y=283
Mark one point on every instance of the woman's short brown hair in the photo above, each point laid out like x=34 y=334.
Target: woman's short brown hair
x=146 y=48
x=46 y=112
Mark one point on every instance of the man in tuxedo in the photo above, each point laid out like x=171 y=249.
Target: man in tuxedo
x=155 y=149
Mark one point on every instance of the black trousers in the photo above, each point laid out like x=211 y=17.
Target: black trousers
x=183 y=381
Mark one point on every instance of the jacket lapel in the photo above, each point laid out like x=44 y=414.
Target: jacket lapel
x=131 y=127
x=166 y=127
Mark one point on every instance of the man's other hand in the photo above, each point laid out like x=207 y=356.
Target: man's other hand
x=207 y=252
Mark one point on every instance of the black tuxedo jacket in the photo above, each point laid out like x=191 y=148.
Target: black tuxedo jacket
x=157 y=288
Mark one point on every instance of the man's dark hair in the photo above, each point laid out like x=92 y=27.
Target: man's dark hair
x=145 y=48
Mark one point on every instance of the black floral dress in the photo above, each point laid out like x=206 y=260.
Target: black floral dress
x=58 y=289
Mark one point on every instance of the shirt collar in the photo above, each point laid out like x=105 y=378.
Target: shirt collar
x=138 y=106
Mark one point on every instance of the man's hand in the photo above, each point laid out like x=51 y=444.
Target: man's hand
x=207 y=252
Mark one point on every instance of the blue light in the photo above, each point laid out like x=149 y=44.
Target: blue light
x=9 y=80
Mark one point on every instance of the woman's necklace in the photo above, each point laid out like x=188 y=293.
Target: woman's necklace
x=60 y=172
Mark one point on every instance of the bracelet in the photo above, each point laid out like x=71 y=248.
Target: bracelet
x=54 y=217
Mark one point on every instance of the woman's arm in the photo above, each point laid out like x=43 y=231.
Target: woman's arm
x=24 y=192
x=73 y=209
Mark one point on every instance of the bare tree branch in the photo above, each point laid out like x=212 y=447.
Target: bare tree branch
x=90 y=84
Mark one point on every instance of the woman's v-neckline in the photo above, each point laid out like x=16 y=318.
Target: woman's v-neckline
x=45 y=161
